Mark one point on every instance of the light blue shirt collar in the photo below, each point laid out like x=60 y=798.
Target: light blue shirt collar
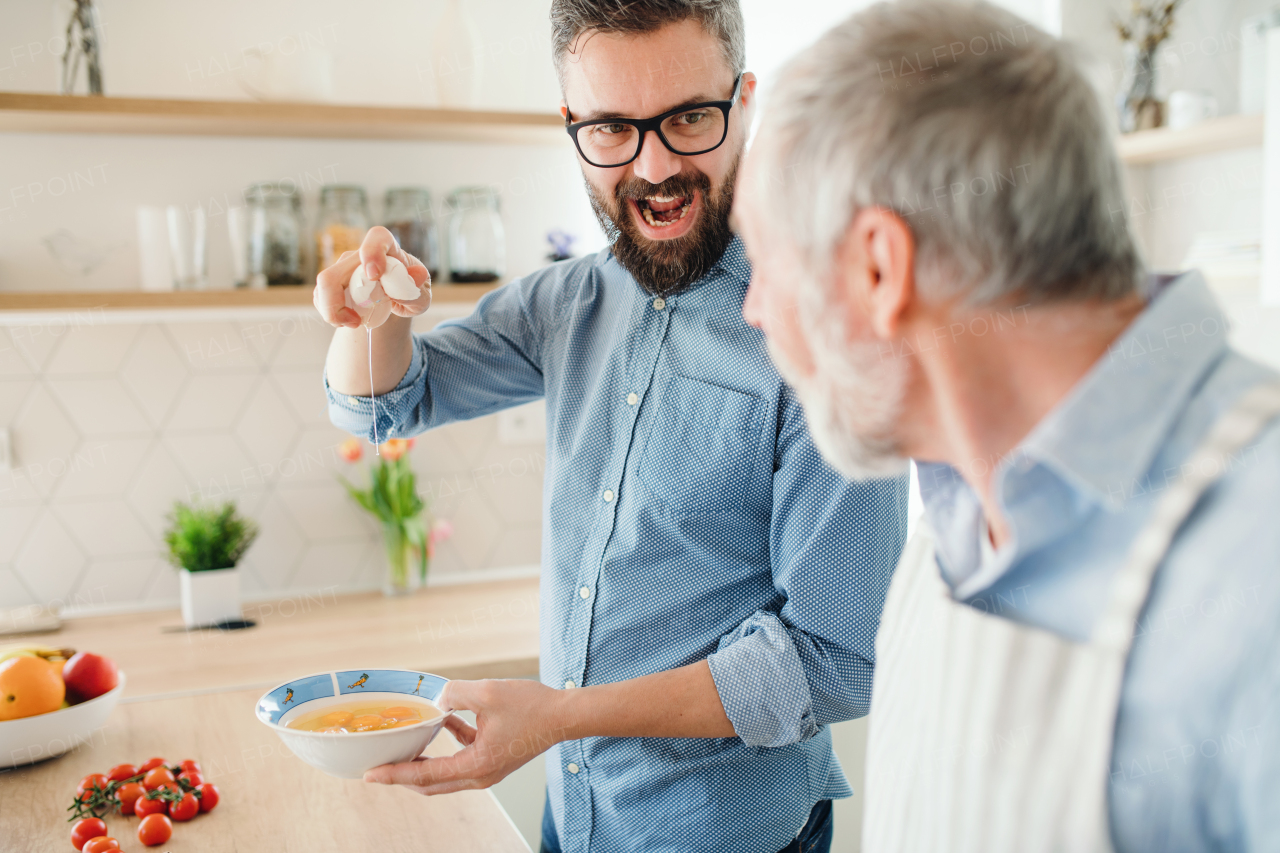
x=1093 y=446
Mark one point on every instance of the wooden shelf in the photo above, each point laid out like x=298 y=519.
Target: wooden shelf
x=1217 y=134
x=441 y=294
x=36 y=113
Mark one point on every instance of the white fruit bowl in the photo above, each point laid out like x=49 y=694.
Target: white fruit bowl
x=31 y=739
x=348 y=755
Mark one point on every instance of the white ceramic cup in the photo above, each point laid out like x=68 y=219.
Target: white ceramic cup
x=1187 y=108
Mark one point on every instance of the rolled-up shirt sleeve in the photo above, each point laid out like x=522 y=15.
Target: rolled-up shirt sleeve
x=785 y=672
x=461 y=369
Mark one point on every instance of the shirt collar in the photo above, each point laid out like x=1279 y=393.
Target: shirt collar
x=1093 y=446
x=733 y=263
x=1105 y=434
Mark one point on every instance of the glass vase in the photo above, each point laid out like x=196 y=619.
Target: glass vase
x=400 y=579
x=1140 y=109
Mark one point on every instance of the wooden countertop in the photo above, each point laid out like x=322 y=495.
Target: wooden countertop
x=191 y=695
x=270 y=801
x=482 y=630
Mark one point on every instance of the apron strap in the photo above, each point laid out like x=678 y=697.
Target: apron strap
x=1131 y=587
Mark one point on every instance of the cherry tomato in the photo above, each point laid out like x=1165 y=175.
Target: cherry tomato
x=154 y=829
x=83 y=830
x=121 y=772
x=190 y=766
x=101 y=844
x=128 y=795
x=191 y=777
x=91 y=781
x=156 y=777
x=143 y=807
x=185 y=809
x=150 y=764
x=208 y=796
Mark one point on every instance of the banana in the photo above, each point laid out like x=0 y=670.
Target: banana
x=45 y=652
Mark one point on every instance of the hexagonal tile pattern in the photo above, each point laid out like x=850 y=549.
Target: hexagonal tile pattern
x=268 y=426
x=215 y=464
x=91 y=348
x=49 y=562
x=304 y=342
x=116 y=581
x=206 y=347
x=153 y=372
x=325 y=510
x=158 y=484
x=210 y=402
x=304 y=391
x=274 y=554
x=43 y=439
x=12 y=362
x=35 y=341
x=330 y=564
x=105 y=528
x=113 y=423
x=100 y=406
x=15 y=522
x=101 y=467
x=13 y=593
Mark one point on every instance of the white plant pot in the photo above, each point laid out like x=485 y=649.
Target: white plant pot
x=210 y=596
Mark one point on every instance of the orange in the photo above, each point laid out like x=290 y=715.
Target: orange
x=29 y=686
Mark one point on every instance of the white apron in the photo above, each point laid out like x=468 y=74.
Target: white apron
x=989 y=736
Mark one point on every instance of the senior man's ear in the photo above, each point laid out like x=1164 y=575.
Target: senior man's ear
x=877 y=269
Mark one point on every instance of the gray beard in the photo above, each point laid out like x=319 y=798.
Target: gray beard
x=852 y=403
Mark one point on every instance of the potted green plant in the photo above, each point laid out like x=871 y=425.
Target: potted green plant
x=392 y=497
x=205 y=544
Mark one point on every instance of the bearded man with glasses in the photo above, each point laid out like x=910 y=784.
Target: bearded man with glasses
x=710 y=587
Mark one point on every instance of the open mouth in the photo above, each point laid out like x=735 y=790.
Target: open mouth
x=664 y=211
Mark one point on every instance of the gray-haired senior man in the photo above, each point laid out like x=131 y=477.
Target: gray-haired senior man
x=1081 y=649
x=710 y=587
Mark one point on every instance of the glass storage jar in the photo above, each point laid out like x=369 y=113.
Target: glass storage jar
x=477 y=242
x=275 y=230
x=407 y=214
x=344 y=220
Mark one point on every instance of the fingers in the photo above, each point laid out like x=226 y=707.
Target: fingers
x=426 y=773
x=329 y=295
x=421 y=277
x=461 y=696
x=377 y=244
x=464 y=732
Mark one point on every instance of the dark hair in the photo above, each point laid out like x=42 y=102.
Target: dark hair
x=572 y=18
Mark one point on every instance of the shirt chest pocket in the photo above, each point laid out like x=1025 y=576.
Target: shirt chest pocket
x=703 y=453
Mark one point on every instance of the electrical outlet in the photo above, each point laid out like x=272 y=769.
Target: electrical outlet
x=523 y=425
x=6 y=453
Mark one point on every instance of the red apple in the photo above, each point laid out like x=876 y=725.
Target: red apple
x=88 y=676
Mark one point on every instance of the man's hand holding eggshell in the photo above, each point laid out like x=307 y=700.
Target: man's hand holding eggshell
x=387 y=281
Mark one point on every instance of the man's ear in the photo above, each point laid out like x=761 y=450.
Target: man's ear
x=876 y=269
x=564 y=108
x=748 y=97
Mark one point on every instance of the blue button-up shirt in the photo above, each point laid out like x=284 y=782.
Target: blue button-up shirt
x=1196 y=757
x=687 y=515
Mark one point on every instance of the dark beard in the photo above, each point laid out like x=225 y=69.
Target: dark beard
x=667 y=267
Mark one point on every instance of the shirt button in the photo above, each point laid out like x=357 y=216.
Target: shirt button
x=659 y=304
x=632 y=399
x=608 y=495
x=568 y=684
x=355 y=401
x=572 y=768
x=584 y=592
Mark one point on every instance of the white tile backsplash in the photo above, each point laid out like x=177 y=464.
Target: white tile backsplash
x=113 y=422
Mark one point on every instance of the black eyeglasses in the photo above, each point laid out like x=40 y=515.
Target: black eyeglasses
x=693 y=129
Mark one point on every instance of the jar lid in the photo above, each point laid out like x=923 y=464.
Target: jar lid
x=412 y=193
x=272 y=191
x=467 y=197
x=342 y=191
